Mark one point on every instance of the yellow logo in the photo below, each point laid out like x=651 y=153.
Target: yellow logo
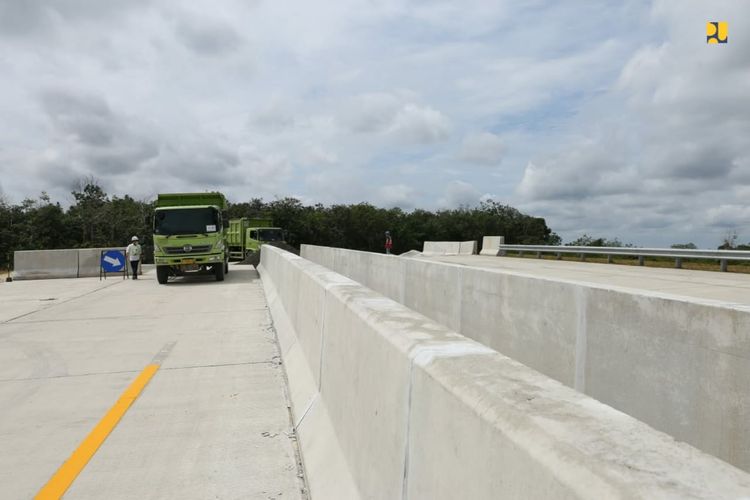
x=717 y=32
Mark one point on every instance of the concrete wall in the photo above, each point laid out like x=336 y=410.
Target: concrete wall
x=449 y=248
x=467 y=248
x=67 y=263
x=491 y=245
x=390 y=405
x=44 y=264
x=441 y=247
x=677 y=364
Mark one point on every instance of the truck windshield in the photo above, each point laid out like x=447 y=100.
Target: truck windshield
x=187 y=221
x=270 y=235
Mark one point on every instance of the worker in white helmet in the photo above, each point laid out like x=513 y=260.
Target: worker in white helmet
x=133 y=252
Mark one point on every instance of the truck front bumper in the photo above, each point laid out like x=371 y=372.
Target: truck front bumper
x=162 y=260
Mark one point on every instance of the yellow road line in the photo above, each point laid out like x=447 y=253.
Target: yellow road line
x=66 y=474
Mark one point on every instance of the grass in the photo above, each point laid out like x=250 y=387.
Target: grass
x=663 y=262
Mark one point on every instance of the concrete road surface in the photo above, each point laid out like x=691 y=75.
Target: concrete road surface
x=731 y=288
x=213 y=422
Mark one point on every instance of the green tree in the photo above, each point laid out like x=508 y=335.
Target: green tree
x=590 y=241
x=88 y=214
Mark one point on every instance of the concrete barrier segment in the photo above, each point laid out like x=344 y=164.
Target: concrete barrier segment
x=491 y=245
x=467 y=248
x=441 y=248
x=45 y=264
x=381 y=272
x=65 y=263
x=325 y=464
x=411 y=254
x=407 y=408
x=671 y=362
x=488 y=426
x=89 y=261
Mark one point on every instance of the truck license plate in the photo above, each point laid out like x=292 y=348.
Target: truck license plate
x=188 y=261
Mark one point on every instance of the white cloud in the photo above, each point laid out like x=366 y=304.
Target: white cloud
x=461 y=194
x=395 y=115
x=396 y=195
x=371 y=113
x=483 y=148
x=422 y=125
x=574 y=106
x=663 y=148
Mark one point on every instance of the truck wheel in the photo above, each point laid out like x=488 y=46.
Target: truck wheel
x=219 y=270
x=162 y=274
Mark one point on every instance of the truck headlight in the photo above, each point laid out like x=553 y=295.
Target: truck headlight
x=157 y=248
x=219 y=246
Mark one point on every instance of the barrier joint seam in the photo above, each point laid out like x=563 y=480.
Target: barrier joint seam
x=322 y=338
x=307 y=410
x=407 y=440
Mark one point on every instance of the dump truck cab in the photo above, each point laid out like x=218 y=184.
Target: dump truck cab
x=261 y=231
x=189 y=235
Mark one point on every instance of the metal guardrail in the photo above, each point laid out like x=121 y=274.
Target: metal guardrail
x=723 y=256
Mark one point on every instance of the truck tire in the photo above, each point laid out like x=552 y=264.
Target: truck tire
x=162 y=274
x=219 y=271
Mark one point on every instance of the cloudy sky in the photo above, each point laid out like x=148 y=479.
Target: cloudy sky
x=610 y=118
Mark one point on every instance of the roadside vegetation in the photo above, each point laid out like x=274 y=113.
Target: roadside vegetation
x=95 y=219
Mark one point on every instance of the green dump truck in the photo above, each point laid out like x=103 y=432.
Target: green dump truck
x=246 y=235
x=189 y=235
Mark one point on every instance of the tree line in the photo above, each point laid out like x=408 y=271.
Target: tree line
x=95 y=219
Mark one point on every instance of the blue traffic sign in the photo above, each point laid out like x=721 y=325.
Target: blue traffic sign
x=113 y=261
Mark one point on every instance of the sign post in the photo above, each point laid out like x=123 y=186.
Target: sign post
x=112 y=261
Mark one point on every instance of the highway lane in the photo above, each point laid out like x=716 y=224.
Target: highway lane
x=213 y=422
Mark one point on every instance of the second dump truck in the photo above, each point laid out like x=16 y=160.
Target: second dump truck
x=189 y=235
x=246 y=235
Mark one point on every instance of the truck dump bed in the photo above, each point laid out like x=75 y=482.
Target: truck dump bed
x=191 y=199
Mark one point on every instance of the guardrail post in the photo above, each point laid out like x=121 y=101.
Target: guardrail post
x=609 y=259
x=678 y=263
x=539 y=255
x=641 y=260
x=583 y=257
x=723 y=265
x=559 y=256
x=520 y=253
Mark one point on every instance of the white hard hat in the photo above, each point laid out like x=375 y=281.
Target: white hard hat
x=134 y=238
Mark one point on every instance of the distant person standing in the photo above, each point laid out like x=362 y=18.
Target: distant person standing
x=388 y=242
x=133 y=253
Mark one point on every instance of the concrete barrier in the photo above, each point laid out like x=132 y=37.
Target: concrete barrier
x=669 y=361
x=67 y=263
x=389 y=404
x=467 y=248
x=491 y=245
x=449 y=248
x=441 y=248
x=89 y=261
x=45 y=264
x=411 y=253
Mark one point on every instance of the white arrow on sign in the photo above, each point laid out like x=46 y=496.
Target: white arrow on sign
x=111 y=260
